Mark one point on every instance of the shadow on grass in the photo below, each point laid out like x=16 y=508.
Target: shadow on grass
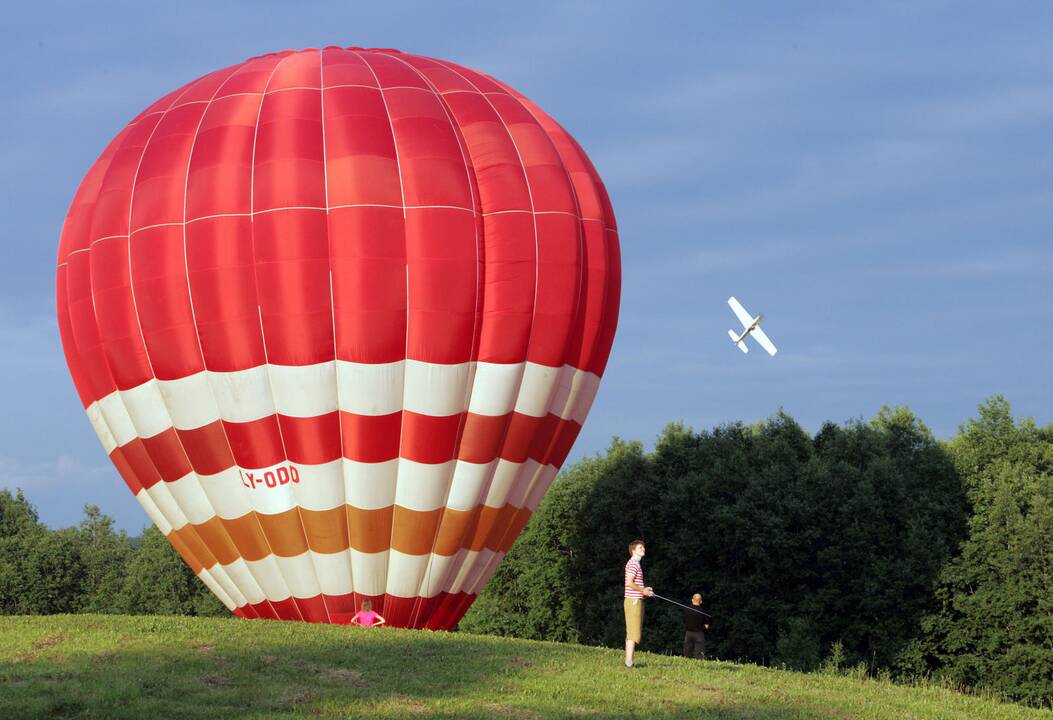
x=355 y=674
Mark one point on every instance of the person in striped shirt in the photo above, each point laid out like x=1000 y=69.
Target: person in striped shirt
x=635 y=592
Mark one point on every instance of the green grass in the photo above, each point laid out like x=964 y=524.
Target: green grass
x=100 y=666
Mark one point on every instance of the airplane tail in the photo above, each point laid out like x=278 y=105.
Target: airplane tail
x=735 y=339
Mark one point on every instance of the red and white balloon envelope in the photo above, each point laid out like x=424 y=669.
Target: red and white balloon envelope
x=337 y=317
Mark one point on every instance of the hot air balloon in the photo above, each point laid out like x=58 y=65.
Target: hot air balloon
x=337 y=317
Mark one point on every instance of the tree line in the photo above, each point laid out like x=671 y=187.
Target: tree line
x=870 y=545
x=91 y=567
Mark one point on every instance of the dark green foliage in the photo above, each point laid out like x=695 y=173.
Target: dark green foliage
x=19 y=530
x=548 y=581
x=994 y=627
x=105 y=555
x=797 y=542
x=91 y=568
x=158 y=582
x=54 y=577
x=797 y=645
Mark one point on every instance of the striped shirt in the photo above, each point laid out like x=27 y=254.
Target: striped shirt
x=633 y=574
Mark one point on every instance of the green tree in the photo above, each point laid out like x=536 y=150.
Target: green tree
x=40 y=569
x=19 y=528
x=549 y=585
x=105 y=554
x=796 y=542
x=887 y=511
x=54 y=573
x=158 y=582
x=994 y=626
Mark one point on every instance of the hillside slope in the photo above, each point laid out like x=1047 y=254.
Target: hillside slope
x=98 y=666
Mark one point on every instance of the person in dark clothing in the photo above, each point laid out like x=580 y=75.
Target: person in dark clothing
x=695 y=626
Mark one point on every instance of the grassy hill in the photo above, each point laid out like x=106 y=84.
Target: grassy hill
x=99 y=666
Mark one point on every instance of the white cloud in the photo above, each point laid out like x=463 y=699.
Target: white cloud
x=53 y=474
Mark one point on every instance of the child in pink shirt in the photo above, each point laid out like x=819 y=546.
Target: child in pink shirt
x=366 y=617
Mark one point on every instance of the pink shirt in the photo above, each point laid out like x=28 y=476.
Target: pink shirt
x=633 y=573
x=366 y=618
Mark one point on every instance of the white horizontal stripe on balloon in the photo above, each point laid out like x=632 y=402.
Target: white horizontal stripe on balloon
x=370 y=389
x=102 y=429
x=436 y=577
x=206 y=577
x=299 y=575
x=116 y=417
x=223 y=579
x=225 y=491
x=536 y=389
x=405 y=573
x=574 y=394
x=304 y=390
x=505 y=477
x=370 y=486
x=320 y=487
x=147 y=409
x=482 y=573
x=241 y=576
x=370 y=571
x=470 y=481
x=436 y=389
x=542 y=483
x=189 y=495
x=190 y=401
x=462 y=566
x=495 y=388
x=422 y=486
x=269 y=575
x=154 y=513
x=243 y=395
x=334 y=572
x=520 y=489
x=430 y=389
x=477 y=573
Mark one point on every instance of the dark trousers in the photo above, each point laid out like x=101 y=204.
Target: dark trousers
x=695 y=644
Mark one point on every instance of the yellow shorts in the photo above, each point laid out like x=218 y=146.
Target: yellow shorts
x=633 y=619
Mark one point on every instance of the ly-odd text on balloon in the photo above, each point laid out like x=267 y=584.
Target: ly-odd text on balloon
x=282 y=475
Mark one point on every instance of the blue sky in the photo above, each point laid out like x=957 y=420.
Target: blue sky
x=876 y=178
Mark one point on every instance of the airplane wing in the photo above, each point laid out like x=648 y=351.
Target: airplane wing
x=765 y=343
x=740 y=343
x=744 y=317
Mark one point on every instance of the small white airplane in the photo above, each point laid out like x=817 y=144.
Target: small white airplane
x=752 y=327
